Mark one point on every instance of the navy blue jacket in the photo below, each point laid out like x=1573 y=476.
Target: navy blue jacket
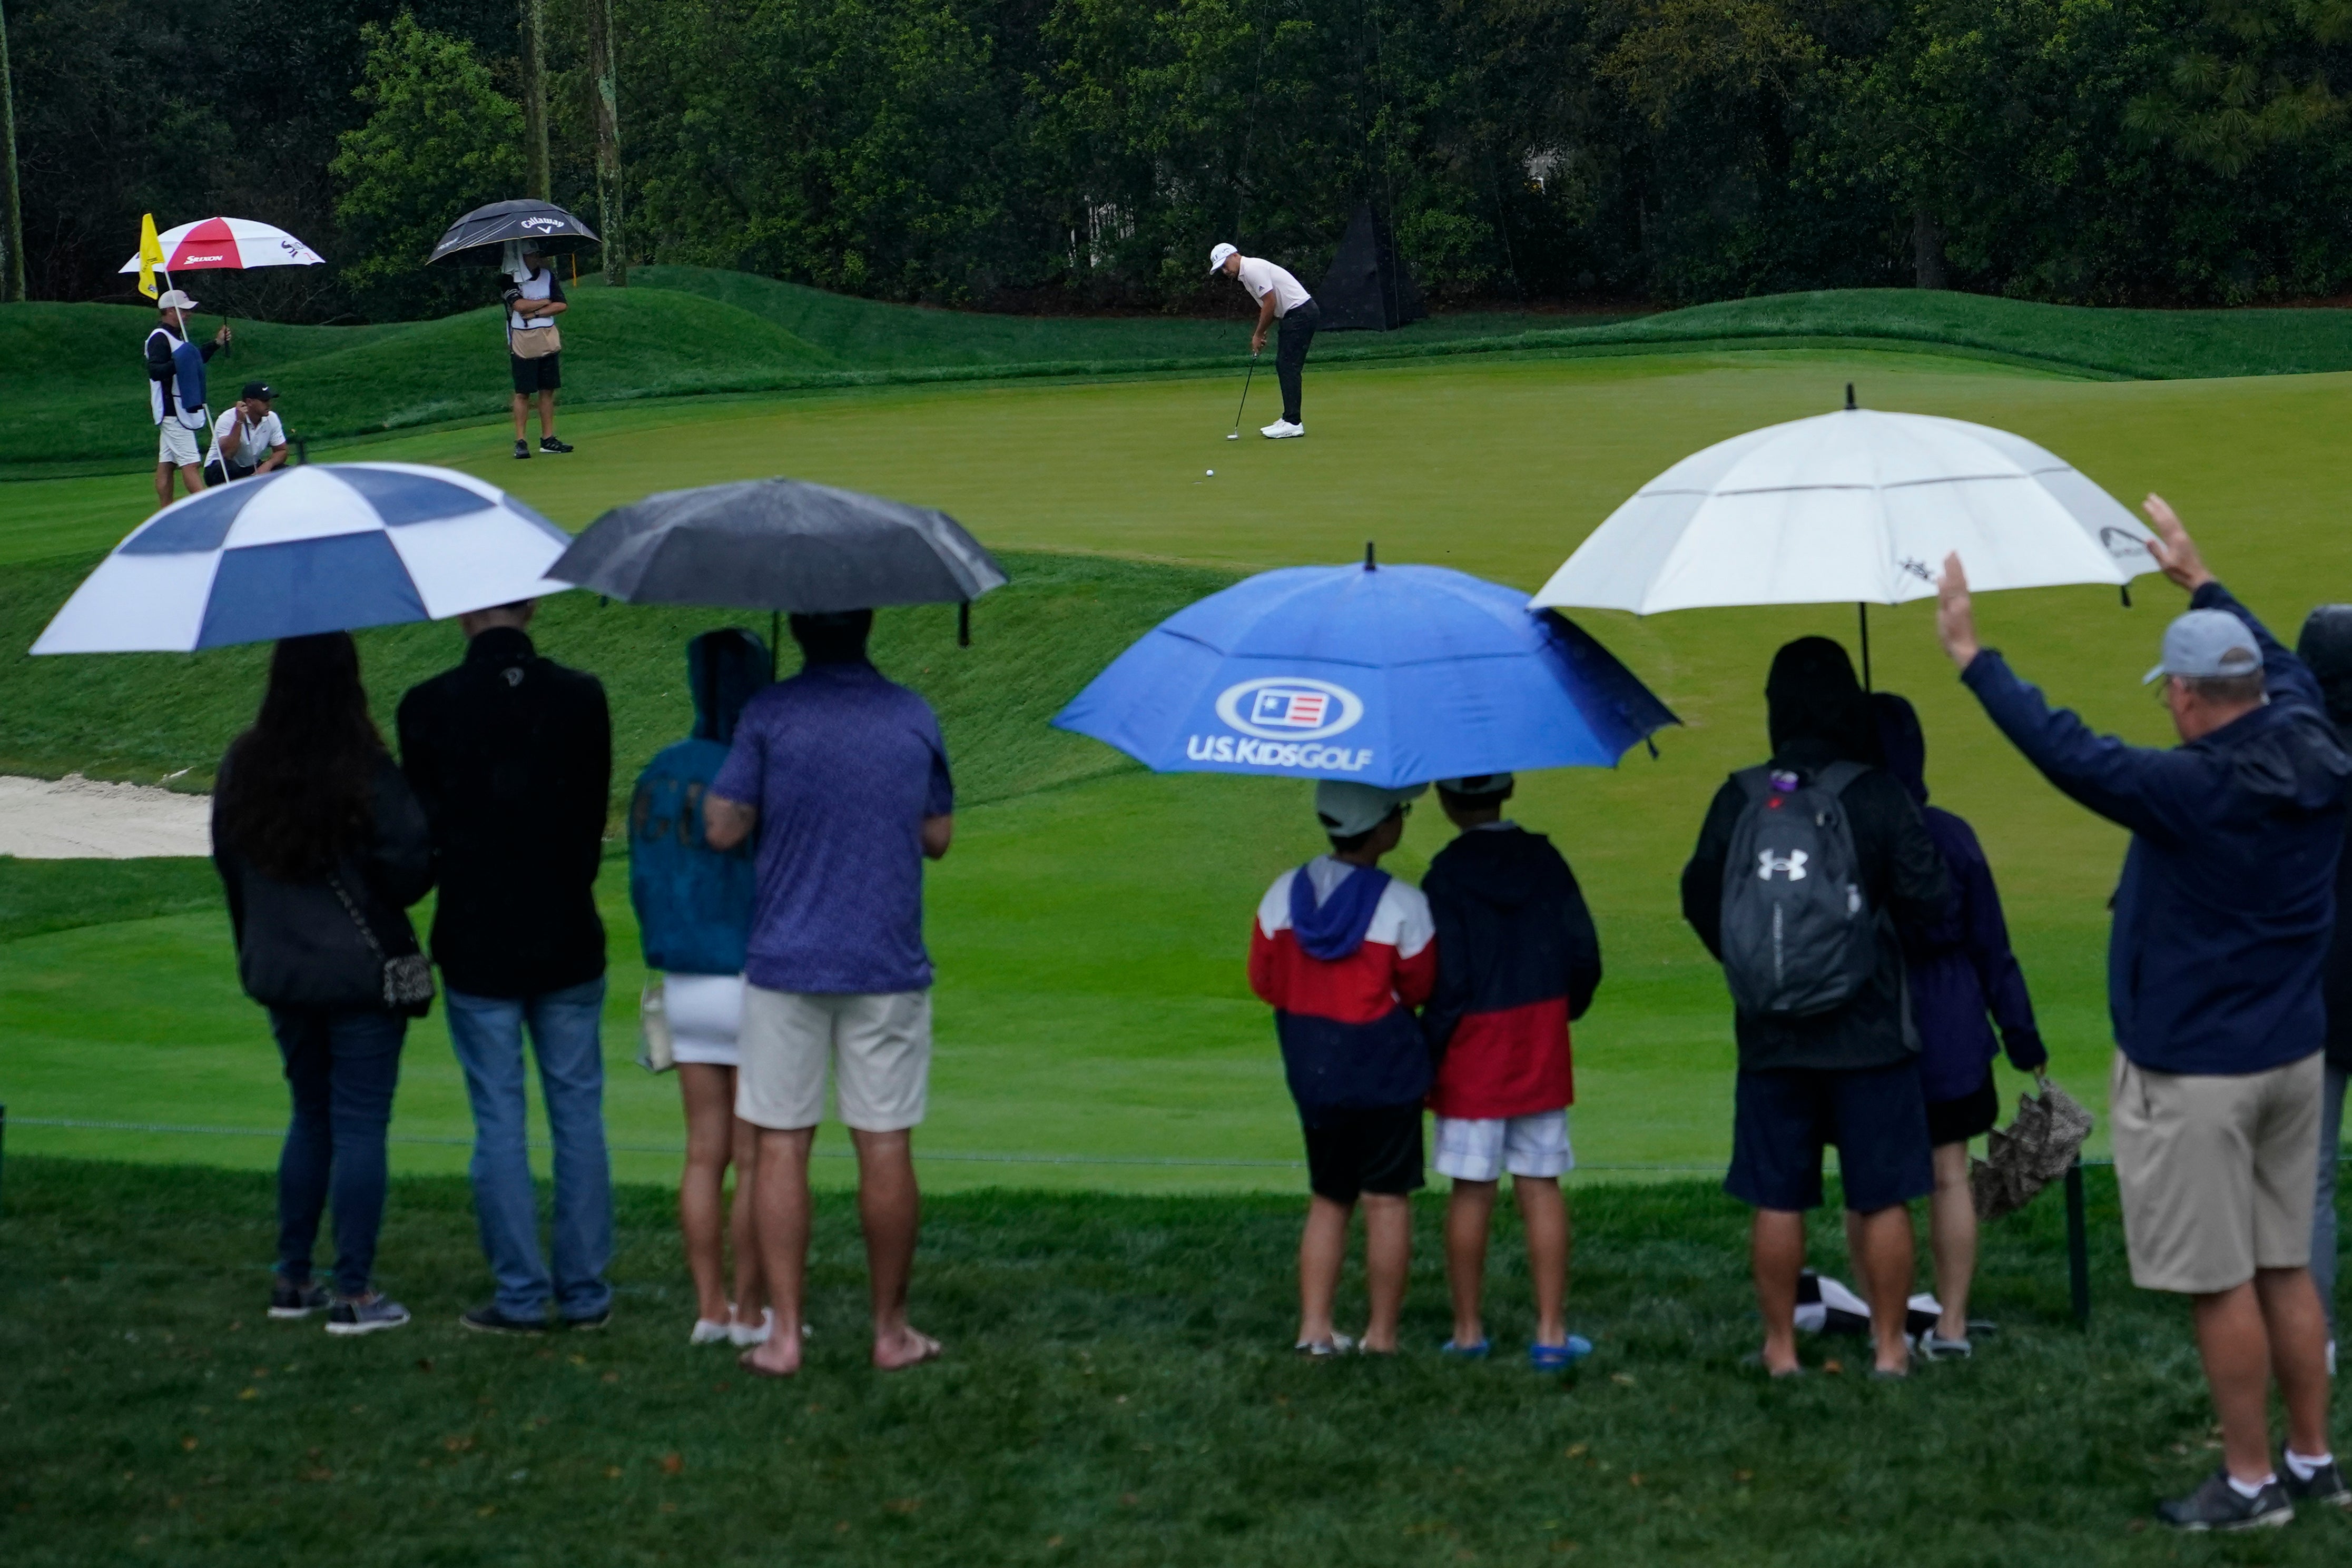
x=2227 y=896
x=1960 y=964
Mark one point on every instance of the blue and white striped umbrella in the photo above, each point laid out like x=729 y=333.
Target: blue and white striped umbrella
x=328 y=546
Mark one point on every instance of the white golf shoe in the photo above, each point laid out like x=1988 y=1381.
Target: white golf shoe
x=1282 y=430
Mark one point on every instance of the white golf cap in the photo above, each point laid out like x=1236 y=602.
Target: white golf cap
x=175 y=299
x=1217 y=256
x=1476 y=784
x=1347 y=808
x=2207 y=644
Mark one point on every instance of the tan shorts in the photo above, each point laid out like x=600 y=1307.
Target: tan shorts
x=2216 y=1172
x=879 y=1046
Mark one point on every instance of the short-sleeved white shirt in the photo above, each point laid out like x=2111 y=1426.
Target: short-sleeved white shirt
x=1258 y=276
x=256 y=442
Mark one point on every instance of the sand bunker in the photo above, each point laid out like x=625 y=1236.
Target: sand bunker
x=76 y=818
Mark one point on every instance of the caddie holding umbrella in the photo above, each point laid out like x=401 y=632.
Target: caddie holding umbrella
x=175 y=371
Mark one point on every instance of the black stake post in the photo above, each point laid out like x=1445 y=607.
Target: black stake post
x=2078 y=1248
x=1864 y=610
x=964 y=623
x=775 y=636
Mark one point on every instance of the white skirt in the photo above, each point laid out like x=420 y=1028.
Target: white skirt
x=705 y=1013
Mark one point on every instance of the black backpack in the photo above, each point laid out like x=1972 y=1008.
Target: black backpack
x=1799 y=936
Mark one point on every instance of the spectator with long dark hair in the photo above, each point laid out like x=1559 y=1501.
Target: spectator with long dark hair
x=321 y=848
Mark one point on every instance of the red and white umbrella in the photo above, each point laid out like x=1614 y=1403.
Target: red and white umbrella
x=234 y=243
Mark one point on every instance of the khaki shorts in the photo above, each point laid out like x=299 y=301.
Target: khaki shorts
x=879 y=1046
x=2216 y=1172
x=175 y=443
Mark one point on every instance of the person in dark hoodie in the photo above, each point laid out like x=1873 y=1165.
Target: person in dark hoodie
x=2327 y=646
x=1343 y=953
x=693 y=903
x=2222 y=921
x=1960 y=969
x=1845 y=1073
x=321 y=848
x=1518 y=960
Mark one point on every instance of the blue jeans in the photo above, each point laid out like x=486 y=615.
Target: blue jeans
x=342 y=1068
x=2323 y=1212
x=488 y=1032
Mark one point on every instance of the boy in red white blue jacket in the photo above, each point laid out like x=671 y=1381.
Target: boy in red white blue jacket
x=1343 y=953
x=1519 y=960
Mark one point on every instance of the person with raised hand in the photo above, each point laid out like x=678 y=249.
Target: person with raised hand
x=2222 y=925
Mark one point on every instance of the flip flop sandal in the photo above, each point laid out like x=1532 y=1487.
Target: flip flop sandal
x=1466 y=1352
x=1337 y=1345
x=1559 y=1357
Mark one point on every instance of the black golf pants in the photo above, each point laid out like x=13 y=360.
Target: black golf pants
x=1291 y=340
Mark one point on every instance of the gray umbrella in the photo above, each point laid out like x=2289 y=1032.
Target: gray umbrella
x=477 y=239
x=779 y=545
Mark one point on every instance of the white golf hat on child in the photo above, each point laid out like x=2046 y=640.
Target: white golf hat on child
x=1347 y=808
x=1217 y=256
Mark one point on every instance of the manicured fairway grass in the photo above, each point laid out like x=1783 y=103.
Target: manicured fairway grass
x=1117 y=1389
x=1090 y=934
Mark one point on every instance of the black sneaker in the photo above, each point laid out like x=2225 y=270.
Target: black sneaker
x=593 y=1320
x=289 y=1300
x=366 y=1315
x=2325 y=1486
x=522 y=448
x=2218 y=1505
x=489 y=1319
x=549 y=444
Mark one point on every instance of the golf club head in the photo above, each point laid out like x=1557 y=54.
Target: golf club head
x=1233 y=436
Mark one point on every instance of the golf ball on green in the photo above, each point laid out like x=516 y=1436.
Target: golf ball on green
x=1212 y=473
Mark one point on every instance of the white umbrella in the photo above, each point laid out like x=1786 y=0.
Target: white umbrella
x=329 y=547
x=1854 y=507
x=237 y=245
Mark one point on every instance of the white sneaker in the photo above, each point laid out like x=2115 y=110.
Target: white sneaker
x=1282 y=430
x=745 y=1334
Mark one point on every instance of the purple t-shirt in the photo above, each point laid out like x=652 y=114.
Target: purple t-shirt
x=844 y=766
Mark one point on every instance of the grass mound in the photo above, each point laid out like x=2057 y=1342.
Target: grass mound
x=1117 y=1388
x=76 y=398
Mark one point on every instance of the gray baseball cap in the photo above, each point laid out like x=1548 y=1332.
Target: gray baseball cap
x=1347 y=808
x=2207 y=644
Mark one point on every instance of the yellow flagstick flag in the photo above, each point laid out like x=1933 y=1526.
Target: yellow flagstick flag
x=151 y=255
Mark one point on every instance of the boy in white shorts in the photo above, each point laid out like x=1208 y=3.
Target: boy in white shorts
x=1517 y=959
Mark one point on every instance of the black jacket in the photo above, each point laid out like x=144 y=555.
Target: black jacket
x=2327 y=646
x=297 y=946
x=1512 y=930
x=511 y=757
x=1902 y=876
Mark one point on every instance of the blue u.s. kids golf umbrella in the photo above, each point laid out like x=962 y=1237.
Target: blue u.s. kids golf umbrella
x=1390 y=675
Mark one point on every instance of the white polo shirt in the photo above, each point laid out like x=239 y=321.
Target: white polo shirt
x=255 y=442
x=1258 y=276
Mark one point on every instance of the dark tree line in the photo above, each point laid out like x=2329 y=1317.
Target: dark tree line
x=1086 y=153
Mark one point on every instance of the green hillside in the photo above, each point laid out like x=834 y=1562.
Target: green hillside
x=75 y=402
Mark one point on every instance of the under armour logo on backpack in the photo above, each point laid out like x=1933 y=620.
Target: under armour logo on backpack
x=1792 y=864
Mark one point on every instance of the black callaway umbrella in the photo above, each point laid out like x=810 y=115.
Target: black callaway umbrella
x=475 y=239
x=782 y=546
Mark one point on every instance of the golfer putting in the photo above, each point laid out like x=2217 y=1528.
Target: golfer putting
x=1282 y=298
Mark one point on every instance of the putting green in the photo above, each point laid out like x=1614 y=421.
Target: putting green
x=1090 y=936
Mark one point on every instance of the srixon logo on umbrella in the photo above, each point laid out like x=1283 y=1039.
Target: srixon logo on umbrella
x=1276 y=717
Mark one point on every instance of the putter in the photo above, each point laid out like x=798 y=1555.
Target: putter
x=1237 y=435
